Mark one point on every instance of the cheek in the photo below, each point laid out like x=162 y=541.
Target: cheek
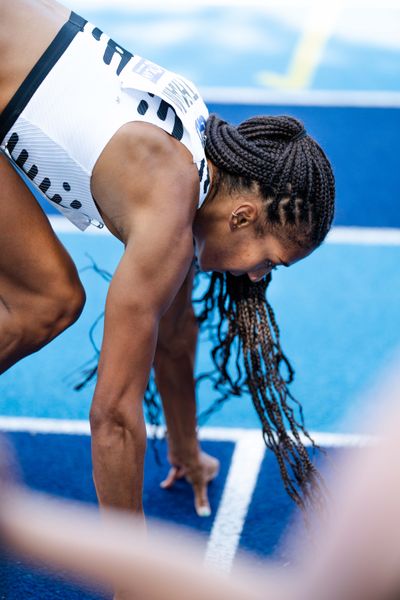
x=237 y=253
x=244 y=256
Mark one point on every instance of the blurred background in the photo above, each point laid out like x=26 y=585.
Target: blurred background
x=335 y=66
x=343 y=45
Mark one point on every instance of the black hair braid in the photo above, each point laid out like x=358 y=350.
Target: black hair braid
x=250 y=322
x=292 y=172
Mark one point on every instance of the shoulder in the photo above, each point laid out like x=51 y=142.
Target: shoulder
x=144 y=169
x=151 y=146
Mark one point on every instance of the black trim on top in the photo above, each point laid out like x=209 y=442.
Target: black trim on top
x=39 y=72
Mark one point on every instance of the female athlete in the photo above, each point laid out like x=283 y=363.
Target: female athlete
x=113 y=140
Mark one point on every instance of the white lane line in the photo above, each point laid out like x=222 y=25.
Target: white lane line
x=371 y=236
x=330 y=98
x=339 y=440
x=374 y=236
x=321 y=438
x=228 y=434
x=39 y=425
x=223 y=434
x=232 y=511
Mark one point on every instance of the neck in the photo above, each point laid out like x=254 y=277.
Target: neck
x=214 y=209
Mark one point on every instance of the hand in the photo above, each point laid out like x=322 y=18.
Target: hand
x=198 y=472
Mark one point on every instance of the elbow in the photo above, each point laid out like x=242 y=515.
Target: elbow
x=115 y=413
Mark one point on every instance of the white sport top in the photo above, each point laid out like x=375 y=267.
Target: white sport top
x=83 y=90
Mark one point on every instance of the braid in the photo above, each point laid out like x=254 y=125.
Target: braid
x=251 y=336
x=291 y=170
x=296 y=183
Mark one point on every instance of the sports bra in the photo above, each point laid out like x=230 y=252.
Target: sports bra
x=80 y=92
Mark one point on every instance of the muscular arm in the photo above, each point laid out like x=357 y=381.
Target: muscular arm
x=174 y=371
x=147 y=278
x=158 y=254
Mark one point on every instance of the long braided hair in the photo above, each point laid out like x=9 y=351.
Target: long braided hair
x=295 y=181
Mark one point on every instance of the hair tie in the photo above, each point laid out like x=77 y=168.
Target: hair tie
x=299 y=136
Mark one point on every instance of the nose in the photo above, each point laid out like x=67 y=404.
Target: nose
x=256 y=276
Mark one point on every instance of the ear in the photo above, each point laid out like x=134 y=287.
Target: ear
x=243 y=215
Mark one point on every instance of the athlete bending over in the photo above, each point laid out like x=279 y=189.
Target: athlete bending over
x=114 y=140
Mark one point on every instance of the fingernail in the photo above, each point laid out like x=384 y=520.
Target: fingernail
x=204 y=511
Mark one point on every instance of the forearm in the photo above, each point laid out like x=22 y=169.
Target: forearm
x=174 y=371
x=118 y=449
x=116 y=416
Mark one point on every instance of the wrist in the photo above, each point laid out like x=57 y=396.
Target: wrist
x=183 y=451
